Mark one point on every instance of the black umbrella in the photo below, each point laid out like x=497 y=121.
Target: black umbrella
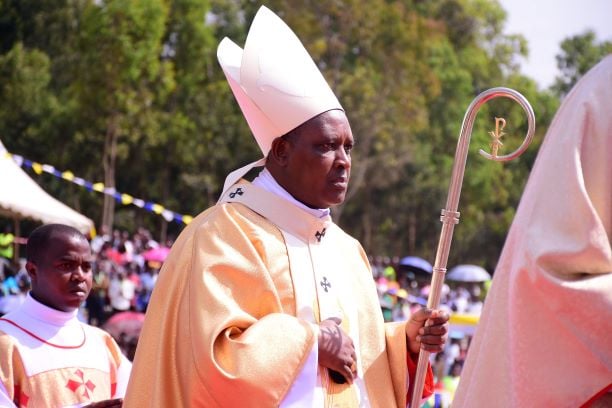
x=416 y=266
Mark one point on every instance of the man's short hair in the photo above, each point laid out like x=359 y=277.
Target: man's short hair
x=39 y=238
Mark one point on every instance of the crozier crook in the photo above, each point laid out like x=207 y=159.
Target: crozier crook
x=450 y=215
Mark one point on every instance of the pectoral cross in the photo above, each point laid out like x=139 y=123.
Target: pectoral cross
x=325 y=284
x=320 y=234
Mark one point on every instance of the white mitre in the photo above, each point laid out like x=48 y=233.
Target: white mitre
x=275 y=81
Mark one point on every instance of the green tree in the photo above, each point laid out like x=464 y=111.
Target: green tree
x=24 y=84
x=579 y=53
x=131 y=93
x=120 y=69
x=28 y=30
x=465 y=53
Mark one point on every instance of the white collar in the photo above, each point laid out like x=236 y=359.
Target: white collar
x=37 y=311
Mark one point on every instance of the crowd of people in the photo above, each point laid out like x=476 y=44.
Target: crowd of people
x=401 y=291
x=126 y=265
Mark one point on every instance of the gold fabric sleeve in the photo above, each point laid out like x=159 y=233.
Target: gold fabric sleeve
x=114 y=354
x=11 y=368
x=383 y=349
x=220 y=329
x=395 y=334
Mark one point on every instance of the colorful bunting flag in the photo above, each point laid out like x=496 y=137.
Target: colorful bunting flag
x=122 y=198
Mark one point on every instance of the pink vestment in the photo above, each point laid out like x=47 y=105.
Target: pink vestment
x=544 y=338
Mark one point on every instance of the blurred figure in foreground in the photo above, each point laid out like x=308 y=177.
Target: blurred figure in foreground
x=544 y=336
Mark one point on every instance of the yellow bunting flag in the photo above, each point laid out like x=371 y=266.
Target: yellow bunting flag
x=157 y=209
x=126 y=199
x=68 y=175
x=37 y=167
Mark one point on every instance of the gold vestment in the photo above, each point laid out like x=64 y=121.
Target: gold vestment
x=221 y=328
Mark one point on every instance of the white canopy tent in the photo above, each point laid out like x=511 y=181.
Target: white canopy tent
x=21 y=197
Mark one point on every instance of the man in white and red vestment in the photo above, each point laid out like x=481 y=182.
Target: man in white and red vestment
x=48 y=358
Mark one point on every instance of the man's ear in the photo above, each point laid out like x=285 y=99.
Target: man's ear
x=31 y=269
x=280 y=150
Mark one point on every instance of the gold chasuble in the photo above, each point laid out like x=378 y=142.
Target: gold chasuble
x=232 y=319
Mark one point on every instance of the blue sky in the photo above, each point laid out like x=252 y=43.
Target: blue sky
x=545 y=23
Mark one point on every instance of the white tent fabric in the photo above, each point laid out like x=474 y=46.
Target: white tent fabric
x=21 y=197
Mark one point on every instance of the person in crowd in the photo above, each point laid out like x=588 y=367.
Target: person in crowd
x=543 y=339
x=377 y=266
x=14 y=294
x=11 y=301
x=48 y=358
x=128 y=246
x=439 y=366
x=450 y=382
x=121 y=292
x=99 y=240
x=96 y=302
x=147 y=279
x=7 y=241
x=10 y=284
x=263 y=300
x=389 y=271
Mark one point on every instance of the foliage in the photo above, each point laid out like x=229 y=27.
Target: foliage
x=578 y=54
x=130 y=93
